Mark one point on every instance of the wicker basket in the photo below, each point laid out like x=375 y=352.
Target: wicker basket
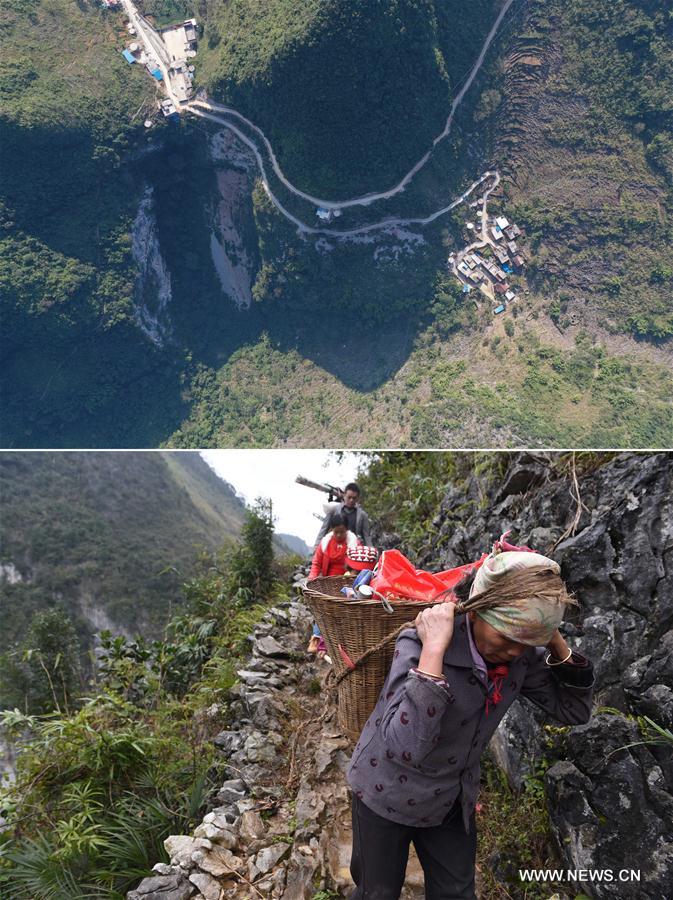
x=356 y=626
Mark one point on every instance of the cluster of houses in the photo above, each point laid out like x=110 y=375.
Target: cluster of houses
x=488 y=267
x=181 y=42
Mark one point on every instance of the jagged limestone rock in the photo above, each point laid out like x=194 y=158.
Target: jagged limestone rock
x=269 y=857
x=231 y=791
x=162 y=869
x=163 y=887
x=251 y=827
x=608 y=792
x=224 y=835
x=180 y=848
x=228 y=741
x=207 y=885
x=269 y=646
x=218 y=862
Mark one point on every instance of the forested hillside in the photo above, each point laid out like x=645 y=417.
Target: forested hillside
x=71 y=114
x=350 y=92
x=572 y=105
x=109 y=538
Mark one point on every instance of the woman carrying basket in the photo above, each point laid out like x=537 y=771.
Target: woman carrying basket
x=415 y=770
x=340 y=551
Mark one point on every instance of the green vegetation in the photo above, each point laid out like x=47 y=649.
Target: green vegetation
x=108 y=538
x=351 y=342
x=100 y=787
x=71 y=113
x=349 y=92
x=597 y=201
x=521 y=391
x=42 y=672
x=513 y=833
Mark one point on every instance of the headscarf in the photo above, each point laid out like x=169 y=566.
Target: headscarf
x=533 y=595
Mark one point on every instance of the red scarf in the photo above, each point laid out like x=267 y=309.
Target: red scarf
x=497 y=675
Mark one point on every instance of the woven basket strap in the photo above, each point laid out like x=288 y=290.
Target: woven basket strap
x=365 y=656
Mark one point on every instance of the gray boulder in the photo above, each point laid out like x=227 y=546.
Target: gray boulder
x=163 y=887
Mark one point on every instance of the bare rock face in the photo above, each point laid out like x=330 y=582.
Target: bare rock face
x=611 y=790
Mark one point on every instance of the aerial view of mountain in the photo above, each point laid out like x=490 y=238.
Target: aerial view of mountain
x=336 y=223
x=110 y=538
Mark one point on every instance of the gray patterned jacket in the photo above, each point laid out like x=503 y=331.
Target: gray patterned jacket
x=421 y=747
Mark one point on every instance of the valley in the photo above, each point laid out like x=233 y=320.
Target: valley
x=221 y=263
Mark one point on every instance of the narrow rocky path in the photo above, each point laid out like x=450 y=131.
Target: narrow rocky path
x=281 y=824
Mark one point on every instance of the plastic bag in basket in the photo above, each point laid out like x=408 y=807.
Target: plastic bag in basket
x=397 y=579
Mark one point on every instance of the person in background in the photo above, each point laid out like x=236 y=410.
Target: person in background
x=330 y=554
x=330 y=559
x=355 y=517
x=416 y=767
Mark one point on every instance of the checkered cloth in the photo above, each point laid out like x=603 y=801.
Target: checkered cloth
x=361 y=557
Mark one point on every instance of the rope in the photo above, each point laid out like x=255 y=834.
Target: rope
x=461 y=607
x=365 y=656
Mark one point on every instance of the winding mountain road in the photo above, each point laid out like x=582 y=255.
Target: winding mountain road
x=208 y=110
x=365 y=199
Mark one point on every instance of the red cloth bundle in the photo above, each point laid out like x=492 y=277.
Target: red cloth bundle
x=397 y=579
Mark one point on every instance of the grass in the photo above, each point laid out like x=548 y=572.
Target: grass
x=523 y=391
x=513 y=832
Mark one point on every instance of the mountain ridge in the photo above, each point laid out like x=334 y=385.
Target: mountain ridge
x=132 y=525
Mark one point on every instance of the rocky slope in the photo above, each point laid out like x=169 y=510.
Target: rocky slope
x=281 y=828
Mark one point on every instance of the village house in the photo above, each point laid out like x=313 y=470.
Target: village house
x=180 y=40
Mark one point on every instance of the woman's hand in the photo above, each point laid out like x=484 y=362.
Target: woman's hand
x=435 y=626
x=435 y=630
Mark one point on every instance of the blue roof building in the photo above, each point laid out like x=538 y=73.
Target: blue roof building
x=128 y=56
x=499 y=309
x=156 y=73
